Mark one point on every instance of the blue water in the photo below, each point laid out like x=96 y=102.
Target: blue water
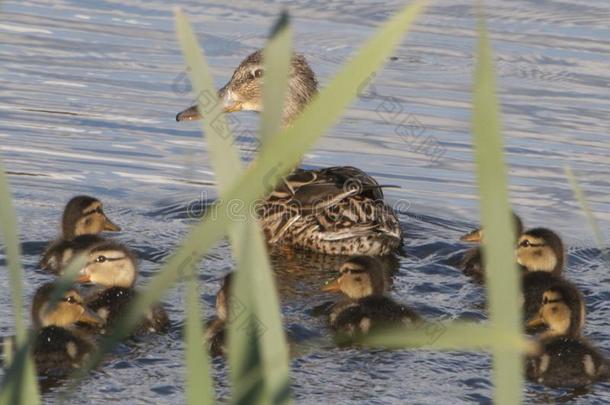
x=88 y=95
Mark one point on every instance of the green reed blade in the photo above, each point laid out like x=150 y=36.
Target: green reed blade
x=501 y=272
x=21 y=387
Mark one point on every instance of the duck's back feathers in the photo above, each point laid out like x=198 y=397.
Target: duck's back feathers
x=567 y=362
x=370 y=314
x=57 y=351
x=215 y=337
x=112 y=302
x=60 y=252
x=472 y=264
x=337 y=210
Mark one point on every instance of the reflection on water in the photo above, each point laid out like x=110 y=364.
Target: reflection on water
x=89 y=95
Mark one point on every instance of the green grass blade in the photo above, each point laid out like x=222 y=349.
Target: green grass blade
x=263 y=175
x=23 y=387
x=447 y=336
x=501 y=273
x=276 y=57
x=580 y=196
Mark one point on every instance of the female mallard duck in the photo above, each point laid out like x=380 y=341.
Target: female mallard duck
x=565 y=359
x=113 y=267
x=59 y=348
x=83 y=219
x=365 y=308
x=337 y=210
x=215 y=333
x=472 y=262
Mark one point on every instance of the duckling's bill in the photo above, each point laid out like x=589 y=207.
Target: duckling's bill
x=474 y=236
x=110 y=226
x=91 y=317
x=332 y=286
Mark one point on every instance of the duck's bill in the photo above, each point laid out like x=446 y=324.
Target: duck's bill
x=535 y=322
x=83 y=278
x=110 y=226
x=229 y=105
x=474 y=236
x=92 y=318
x=332 y=286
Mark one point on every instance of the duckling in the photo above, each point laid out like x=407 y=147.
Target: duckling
x=215 y=333
x=565 y=359
x=83 y=219
x=472 y=262
x=540 y=253
x=335 y=210
x=113 y=267
x=366 y=308
x=59 y=348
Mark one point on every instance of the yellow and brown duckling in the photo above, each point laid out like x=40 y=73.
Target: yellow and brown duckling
x=540 y=253
x=336 y=210
x=59 y=346
x=82 y=222
x=365 y=308
x=565 y=359
x=215 y=333
x=472 y=262
x=113 y=267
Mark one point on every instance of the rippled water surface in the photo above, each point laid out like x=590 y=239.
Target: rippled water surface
x=89 y=91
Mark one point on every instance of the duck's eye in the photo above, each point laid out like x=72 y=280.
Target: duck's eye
x=525 y=243
x=257 y=73
x=101 y=259
x=69 y=300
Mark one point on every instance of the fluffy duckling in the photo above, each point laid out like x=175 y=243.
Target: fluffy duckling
x=58 y=346
x=83 y=219
x=540 y=253
x=215 y=333
x=565 y=359
x=365 y=308
x=472 y=263
x=113 y=267
x=336 y=210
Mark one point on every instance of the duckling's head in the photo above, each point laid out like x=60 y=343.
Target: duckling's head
x=244 y=92
x=477 y=234
x=222 y=297
x=360 y=277
x=541 y=249
x=67 y=311
x=562 y=311
x=84 y=215
x=109 y=264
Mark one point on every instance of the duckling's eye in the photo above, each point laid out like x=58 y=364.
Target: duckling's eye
x=257 y=73
x=69 y=300
x=525 y=243
x=545 y=301
x=101 y=259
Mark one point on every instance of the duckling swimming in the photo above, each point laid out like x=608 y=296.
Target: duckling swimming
x=565 y=358
x=540 y=253
x=365 y=308
x=472 y=263
x=113 y=267
x=337 y=210
x=59 y=348
x=215 y=333
x=83 y=219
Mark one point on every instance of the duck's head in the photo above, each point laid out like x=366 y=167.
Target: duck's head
x=109 y=264
x=360 y=277
x=477 y=234
x=244 y=92
x=540 y=249
x=222 y=297
x=562 y=311
x=84 y=215
x=67 y=311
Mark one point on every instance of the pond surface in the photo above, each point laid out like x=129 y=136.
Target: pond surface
x=89 y=91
